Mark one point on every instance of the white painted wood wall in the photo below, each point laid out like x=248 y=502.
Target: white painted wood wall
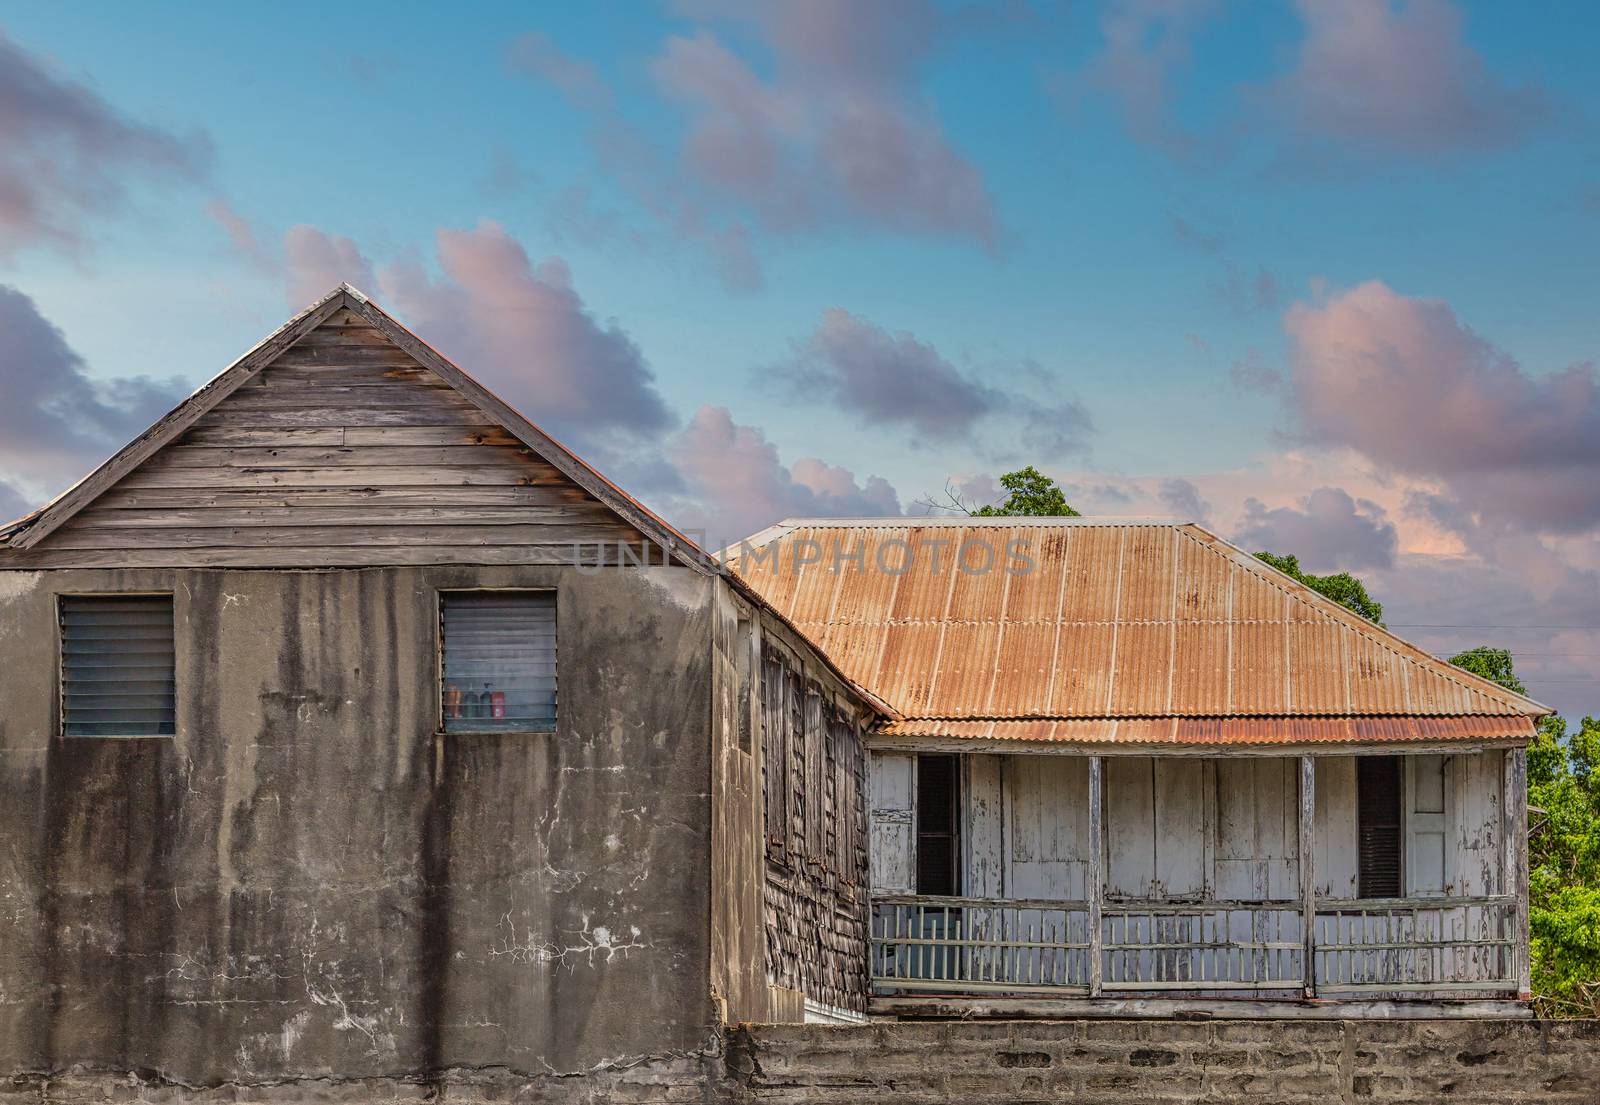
x=1186 y=827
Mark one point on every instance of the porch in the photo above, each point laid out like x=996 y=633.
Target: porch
x=1384 y=876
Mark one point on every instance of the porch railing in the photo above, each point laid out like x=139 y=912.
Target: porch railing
x=984 y=945
x=1436 y=944
x=980 y=945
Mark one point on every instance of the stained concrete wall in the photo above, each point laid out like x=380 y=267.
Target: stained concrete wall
x=306 y=883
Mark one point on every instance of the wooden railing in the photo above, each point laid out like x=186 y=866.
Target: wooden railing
x=1202 y=946
x=1397 y=944
x=980 y=945
x=1401 y=945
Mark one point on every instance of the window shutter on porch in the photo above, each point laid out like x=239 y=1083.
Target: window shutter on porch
x=1427 y=815
x=1378 y=820
x=892 y=864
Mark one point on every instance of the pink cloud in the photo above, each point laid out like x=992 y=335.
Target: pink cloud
x=1398 y=78
x=315 y=263
x=523 y=329
x=240 y=233
x=1407 y=384
x=840 y=131
x=736 y=483
x=67 y=155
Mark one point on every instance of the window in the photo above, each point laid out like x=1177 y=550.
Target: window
x=938 y=815
x=743 y=662
x=117 y=666
x=775 y=753
x=1378 y=826
x=498 y=661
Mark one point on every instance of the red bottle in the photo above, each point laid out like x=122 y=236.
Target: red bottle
x=497 y=704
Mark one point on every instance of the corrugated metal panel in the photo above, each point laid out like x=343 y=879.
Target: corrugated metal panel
x=1109 y=619
x=117 y=664
x=1216 y=730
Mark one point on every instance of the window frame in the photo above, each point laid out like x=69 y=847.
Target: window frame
x=439 y=594
x=61 y=599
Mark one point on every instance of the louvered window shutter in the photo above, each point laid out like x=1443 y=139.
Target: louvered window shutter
x=117 y=666
x=499 y=661
x=937 y=820
x=1378 y=826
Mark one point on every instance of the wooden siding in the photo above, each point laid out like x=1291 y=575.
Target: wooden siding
x=814 y=783
x=343 y=451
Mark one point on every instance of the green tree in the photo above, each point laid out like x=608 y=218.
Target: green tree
x=1493 y=664
x=1343 y=588
x=1029 y=493
x=1563 y=850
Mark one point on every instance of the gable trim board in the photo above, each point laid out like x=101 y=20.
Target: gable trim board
x=34 y=528
x=1132 y=631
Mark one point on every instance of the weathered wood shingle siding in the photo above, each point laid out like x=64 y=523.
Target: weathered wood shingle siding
x=344 y=451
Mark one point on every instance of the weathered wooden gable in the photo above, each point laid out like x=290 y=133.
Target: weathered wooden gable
x=343 y=450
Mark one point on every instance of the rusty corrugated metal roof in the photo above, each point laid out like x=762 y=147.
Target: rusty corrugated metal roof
x=1064 y=619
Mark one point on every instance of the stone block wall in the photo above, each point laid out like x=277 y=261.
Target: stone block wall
x=1129 y=1062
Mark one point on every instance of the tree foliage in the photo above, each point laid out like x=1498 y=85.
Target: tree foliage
x=1029 y=493
x=1493 y=664
x=1563 y=850
x=1343 y=588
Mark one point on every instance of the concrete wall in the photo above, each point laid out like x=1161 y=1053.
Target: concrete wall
x=306 y=883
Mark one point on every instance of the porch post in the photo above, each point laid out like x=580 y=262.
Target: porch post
x=1308 y=873
x=1514 y=865
x=1096 y=877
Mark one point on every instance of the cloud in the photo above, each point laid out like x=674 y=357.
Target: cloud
x=536 y=56
x=840 y=131
x=315 y=263
x=1405 y=383
x=885 y=378
x=1184 y=500
x=241 y=234
x=1376 y=76
x=67 y=155
x=896 y=380
x=12 y=503
x=1328 y=530
x=833 y=131
x=525 y=332
x=739 y=486
x=57 y=421
x=1146 y=43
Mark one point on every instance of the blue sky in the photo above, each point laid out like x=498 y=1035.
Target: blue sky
x=1335 y=260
